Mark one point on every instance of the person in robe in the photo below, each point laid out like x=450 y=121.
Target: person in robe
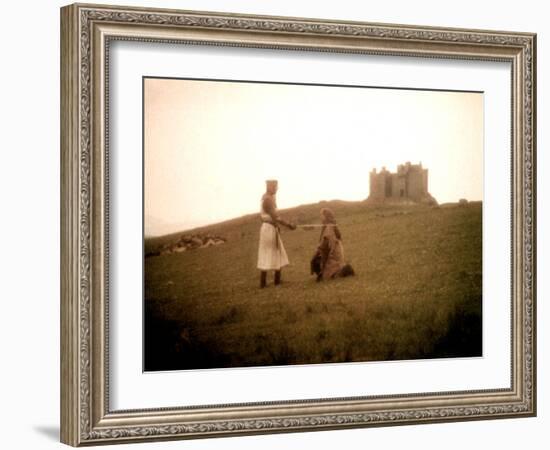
x=271 y=252
x=328 y=261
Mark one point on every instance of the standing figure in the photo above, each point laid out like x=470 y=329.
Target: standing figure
x=328 y=261
x=271 y=252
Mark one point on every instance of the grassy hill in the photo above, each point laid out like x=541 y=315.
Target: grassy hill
x=417 y=292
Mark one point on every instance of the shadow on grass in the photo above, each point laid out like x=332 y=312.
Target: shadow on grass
x=464 y=338
x=170 y=345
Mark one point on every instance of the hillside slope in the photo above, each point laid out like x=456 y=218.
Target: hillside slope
x=417 y=293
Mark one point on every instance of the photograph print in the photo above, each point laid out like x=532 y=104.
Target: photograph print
x=291 y=224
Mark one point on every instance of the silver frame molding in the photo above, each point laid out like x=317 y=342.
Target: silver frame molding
x=86 y=31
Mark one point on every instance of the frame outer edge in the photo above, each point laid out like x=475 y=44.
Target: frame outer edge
x=80 y=410
x=534 y=375
x=69 y=185
x=535 y=159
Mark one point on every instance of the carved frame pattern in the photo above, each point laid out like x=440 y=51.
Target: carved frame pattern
x=78 y=394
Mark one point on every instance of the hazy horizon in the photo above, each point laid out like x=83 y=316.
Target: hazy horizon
x=183 y=227
x=209 y=146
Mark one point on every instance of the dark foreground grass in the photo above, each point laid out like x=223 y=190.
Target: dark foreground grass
x=417 y=293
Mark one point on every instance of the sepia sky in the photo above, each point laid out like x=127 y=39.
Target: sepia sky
x=209 y=146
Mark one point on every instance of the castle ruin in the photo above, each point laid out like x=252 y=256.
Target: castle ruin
x=408 y=185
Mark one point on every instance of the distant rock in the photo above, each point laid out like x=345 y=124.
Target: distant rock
x=188 y=242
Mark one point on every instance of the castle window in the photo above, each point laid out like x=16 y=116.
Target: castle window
x=402 y=192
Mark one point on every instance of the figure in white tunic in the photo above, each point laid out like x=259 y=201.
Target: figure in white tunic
x=271 y=253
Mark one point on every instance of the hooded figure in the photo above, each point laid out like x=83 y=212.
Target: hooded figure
x=271 y=251
x=328 y=261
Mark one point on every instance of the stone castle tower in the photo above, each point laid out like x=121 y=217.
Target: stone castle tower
x=408 y=185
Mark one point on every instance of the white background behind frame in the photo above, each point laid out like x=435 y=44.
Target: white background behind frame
x=132 y=389
x=29 y=183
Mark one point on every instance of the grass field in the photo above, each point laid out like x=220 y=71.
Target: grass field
x=417 y=292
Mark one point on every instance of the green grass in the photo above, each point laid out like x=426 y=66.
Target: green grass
x=417 y=292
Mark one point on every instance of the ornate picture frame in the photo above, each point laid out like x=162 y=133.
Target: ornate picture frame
x=87 y=32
